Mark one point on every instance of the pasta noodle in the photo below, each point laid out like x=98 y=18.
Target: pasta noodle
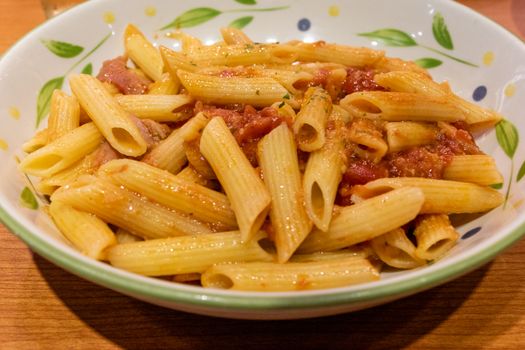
x=261 y=167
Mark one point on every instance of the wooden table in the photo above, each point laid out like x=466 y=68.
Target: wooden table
x=44 y=307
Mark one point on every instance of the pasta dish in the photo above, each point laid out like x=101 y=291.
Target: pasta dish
x=261 y=166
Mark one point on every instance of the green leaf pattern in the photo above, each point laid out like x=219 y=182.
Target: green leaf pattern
x=44 y=98
x=247 y=2
x=199 y=15
x=242 y=22
x=521 y=172
x=391 y=37
x=63 y=49
x=193 y=18
x=428 y=62
x=28 y=199
x=398 y=38
x=88 y=69
x=440 y=31
x=508 y=137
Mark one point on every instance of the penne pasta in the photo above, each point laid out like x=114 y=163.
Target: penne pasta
x=121 y=207
x=86 y=166
x=165 y=86
x=345 y=55
x=38 y=141
x=260 y=91
x=399 y=106
x=113 y=122
x=234 y=36
x=63 y=152
x=413 y=82
x=187 y=254
x=64 y=115
x=435 y=236
x=261 y=276
x=243 y=54
x=352 y=224
x=479 y=169
x=169 y=153
x=166 y=189
x=277 y=155
x=323 y=173
x=143 y=53
x=90 y=235
x=124 y=237
x=310 y=124
x=189 y=174
x=248 y=196
x=404 y=135
x=396 y=250
x=155 y=107
x=368 y=139
x=443 y=196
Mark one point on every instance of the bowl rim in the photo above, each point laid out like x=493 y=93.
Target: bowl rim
x=126 y=282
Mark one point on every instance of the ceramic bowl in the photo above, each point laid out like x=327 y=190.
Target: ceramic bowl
x=482 y=61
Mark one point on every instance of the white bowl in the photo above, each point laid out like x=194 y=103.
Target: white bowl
x=497 y=81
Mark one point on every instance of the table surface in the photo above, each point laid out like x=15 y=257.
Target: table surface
x=44 y=307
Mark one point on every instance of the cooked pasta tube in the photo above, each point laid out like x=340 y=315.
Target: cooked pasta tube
x=360 y=222
x=413 y=82
x=310 y=124
x=234 y=36
x=189 y=43
x=443 y=196
x=396 y=250
x=38 y=141
x=197 y=160
x=124 y=236
x=174 y=61
x=324 y=170
x=435 y=236
x=121 y=207
x=189 y=174
x=346 y=55
x=187 y=254
x=246 y=191
x=143 y=53
x=288 y=79
x=63 y=152
x=399 y=106
x=90 y=235
x=355 y=251
x=169 y=153
x=479 y=169
x=64 y=115
x=165 y=188
x=368 y=138
x=113 y=122
x=392 y=64
x=165 y=86
x=155 y=107
x=243 y=54
x=341 y=114
x=277 y=155
x=403 y=135
x=259 y=91
x=85 y=166
x=260 y=276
